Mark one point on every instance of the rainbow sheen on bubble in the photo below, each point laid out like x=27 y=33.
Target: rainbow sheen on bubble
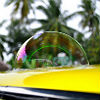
x=51 y=49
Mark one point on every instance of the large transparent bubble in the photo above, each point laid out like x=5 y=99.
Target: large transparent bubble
x=50 y=49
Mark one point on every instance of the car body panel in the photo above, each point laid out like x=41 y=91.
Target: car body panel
x=84 y=78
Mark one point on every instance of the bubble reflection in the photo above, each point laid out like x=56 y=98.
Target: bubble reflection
x=50 y=49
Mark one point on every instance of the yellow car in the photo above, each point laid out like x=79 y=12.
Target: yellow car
x=51 y=65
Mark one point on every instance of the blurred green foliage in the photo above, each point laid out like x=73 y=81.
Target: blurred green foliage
x=2 y=40
x=56 y=20
x=93 y=50
x=18 y=33
x=23 y=6
x=19 y=29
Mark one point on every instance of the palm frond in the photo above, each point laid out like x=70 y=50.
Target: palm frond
x=44 y=10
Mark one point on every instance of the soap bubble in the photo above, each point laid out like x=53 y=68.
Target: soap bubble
x=51 y=49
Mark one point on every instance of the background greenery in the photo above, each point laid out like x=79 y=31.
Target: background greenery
x=19 y=29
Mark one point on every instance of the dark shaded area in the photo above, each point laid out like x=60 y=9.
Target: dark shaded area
x=46 y=94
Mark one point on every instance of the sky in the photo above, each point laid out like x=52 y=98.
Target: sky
x=70 y=5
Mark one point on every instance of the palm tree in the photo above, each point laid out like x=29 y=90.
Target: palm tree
x=23 y=5
x=55 y=19
x=91 y=20
x=89 y=16
x=93 y=50
x=18 y=34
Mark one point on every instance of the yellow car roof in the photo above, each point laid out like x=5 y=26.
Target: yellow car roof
x=83 y=78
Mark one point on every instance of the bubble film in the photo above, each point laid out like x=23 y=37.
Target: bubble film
x=50 y=49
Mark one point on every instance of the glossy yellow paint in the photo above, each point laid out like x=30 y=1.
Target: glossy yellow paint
x=81 y=79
